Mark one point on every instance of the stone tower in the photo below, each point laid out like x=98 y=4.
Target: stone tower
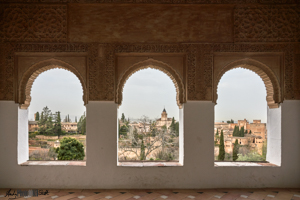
x=164 y=115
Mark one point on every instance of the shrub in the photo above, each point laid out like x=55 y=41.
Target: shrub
x=168 y=156
x=32 y=135
x=70 y=149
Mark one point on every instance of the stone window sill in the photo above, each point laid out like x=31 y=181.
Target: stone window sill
x=244 y=164
x=149 y=164
x=54 y=163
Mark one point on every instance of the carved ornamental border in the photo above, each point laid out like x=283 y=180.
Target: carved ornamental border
x=24 y=89
x=268 y=77
x=101 y=62
x=158 y=1
x=155 y=64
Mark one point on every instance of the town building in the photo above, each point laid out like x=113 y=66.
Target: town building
x=70 y=127
x=164 y=120
x=254 y=139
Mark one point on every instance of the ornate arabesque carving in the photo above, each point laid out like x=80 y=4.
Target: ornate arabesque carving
x=157 y=1
x=297 y=76
x=33 y=23
x=276 y=23
x=101 y=64
x=32 y=73
x=271 y=83
x=287 y=49
x=151 y=63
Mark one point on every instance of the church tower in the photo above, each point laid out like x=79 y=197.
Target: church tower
x=164 y=115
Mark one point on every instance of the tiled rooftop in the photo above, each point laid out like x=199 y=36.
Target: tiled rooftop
x=228 y=194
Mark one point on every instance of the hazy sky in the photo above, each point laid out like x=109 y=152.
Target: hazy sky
x=241 y=94
x=60 y=90
x=148 y=92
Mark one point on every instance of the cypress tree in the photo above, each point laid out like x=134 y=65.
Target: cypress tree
x=57 y=125
x=235 y=150
x=242 y=132
x=76 y=119
x=123 y=117
x=37 y=116
x=217 y=132
x=221 y=148
x=142 y=156
x=235 y=131
x=250 y=132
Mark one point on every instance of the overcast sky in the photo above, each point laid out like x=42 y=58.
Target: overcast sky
x=241 y=94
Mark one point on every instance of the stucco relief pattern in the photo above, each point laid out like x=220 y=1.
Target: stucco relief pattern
x=158 y=1
x=267 y=23
x=191 y=50
x=297 y=76
x=287 y=49
x=6 y=72
x=33 y=23
x=101 y=72
x=101 y=63
x=7 y=62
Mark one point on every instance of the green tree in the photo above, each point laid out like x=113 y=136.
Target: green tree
x=242 y=132
x=76 y=119
x=135 y=137
x=70 y=149
x=246 y=131
x=177 y=129
x=235 y=131
x=250 y=132
x=123 y=118
x=217 y=132
x=235 y=150
x=142 y=155
x=44 y=122
x=123 y=130
x=172 y=126
x=221 y=155
x=37 y=116
x=230 y=121
x=81 y=125
x=57 y=124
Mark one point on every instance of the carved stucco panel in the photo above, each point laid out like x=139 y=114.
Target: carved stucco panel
x=33 y=23
x=159 y=1
x=272 y=23
x=27 y=79
x=6 y=72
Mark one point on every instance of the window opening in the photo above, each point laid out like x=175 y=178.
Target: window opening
x=148 y=119
x=57 y=122
x=241 y=117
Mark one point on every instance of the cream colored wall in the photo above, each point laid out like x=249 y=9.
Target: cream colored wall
x=102 y=171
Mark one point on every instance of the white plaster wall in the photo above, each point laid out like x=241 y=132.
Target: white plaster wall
x=274 y=136
x=102 y=171
x=23 y=148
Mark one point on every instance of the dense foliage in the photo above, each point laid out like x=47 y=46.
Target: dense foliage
x=81 y=125
x=235 y=151
x=221 y=147
x=70 y=149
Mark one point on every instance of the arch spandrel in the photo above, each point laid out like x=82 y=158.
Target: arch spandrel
x=273 y=98
x=25 y=85
x=154 y=64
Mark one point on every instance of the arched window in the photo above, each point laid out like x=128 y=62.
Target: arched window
x=241 y=115
x=53 y=111
x=149 y=118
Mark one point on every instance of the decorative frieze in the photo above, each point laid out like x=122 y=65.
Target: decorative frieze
x=33 y=23
x=272 y=23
